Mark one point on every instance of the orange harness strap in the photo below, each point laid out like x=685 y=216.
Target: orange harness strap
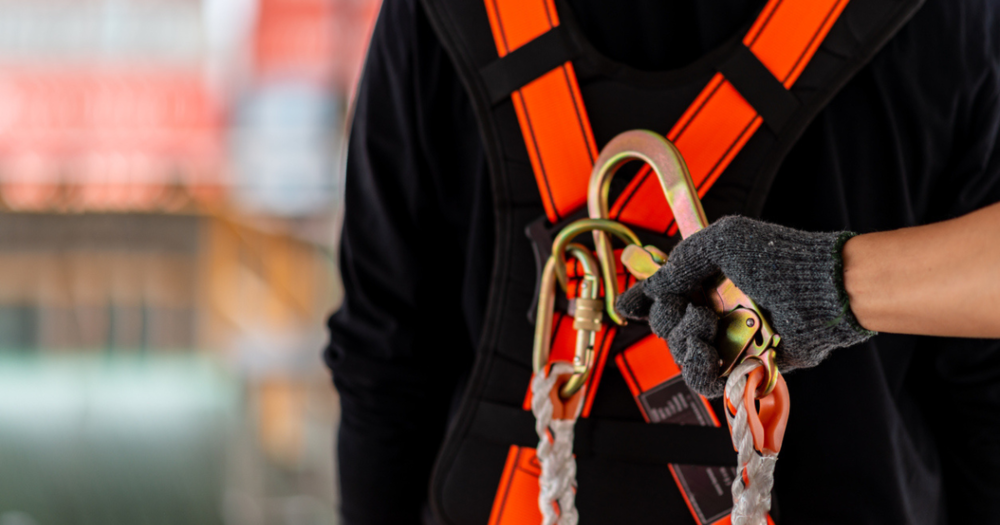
x=720 y=121
x=709 y=134
x=550 y=109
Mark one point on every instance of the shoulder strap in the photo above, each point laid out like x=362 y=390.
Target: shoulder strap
x=751 y=87
x=550 y=109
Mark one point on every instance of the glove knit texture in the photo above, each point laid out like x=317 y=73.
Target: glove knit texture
x=796 y=276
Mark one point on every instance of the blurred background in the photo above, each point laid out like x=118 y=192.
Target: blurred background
x=169 y=184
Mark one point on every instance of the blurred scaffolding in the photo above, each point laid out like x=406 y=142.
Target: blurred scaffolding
x=168 y=214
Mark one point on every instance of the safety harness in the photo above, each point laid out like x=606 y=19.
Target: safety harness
x=732 y=117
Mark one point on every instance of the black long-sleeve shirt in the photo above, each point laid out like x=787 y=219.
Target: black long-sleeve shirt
x=912 y=139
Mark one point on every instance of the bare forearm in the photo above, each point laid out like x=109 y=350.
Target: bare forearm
x=940 y=279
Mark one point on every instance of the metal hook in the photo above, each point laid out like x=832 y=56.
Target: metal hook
x=668 y=164
x=745 y=332
x=673 y=175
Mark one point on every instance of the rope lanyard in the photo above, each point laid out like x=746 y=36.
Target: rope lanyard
x=559 y=386
x=554 y=422
x=757 y=435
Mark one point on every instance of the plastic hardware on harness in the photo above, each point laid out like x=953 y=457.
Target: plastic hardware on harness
x=767 y=417
x=745 y=332
x=757 y=428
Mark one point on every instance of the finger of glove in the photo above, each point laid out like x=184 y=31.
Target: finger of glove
x=634 y=304
x=689 y=264
x=694 y=338
x=666 y=313
x=702 y=372
x=696 y=322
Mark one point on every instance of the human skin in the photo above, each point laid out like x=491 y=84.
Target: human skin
x=941 y=279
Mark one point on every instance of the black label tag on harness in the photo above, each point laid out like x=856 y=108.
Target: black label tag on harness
x=705 y=489
x=673 y=402
x=664 y=398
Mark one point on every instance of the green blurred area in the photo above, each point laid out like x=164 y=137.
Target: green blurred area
x=163 y=369
x=109 y=439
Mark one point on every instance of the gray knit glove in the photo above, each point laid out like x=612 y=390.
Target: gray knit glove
x=796 y=276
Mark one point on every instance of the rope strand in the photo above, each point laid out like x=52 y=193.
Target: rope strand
x=751 y=502
x=557 y=483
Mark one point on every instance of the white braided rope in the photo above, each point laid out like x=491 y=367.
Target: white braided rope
x=557 y=484
x=750 y=503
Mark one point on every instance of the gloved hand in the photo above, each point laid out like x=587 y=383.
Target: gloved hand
x=796 y=276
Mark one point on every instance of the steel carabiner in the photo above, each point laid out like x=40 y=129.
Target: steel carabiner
x=587 y=314
x=610 y=278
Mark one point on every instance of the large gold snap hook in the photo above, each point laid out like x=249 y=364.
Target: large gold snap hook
x=744 y=331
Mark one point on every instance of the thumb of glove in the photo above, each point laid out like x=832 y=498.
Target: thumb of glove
x=634 y=304
x=689 y=264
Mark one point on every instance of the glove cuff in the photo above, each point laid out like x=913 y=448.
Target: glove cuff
x=846 y=314
x=819 y=317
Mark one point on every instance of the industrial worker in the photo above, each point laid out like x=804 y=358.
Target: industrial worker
x=868 y=240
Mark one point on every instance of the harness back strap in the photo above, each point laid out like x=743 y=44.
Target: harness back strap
x=727 y=112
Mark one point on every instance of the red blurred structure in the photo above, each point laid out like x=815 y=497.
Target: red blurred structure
x=88 y=132
x=324 y=40
x=93 y=139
